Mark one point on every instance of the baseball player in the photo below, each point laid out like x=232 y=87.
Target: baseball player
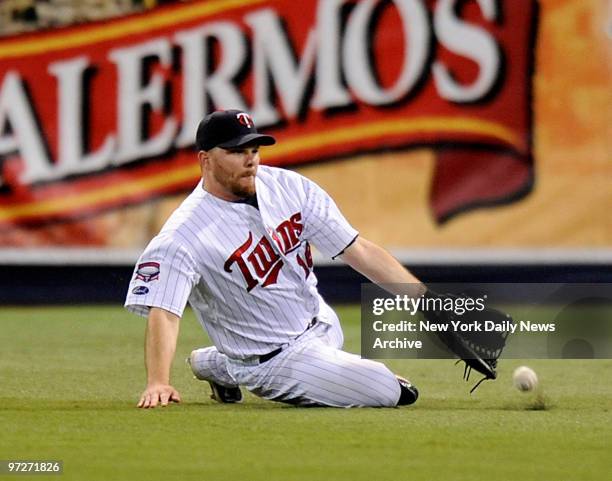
x=239 y=250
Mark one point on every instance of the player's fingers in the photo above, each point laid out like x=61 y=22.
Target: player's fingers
x=164 y=396
x=175 y=396
x=141 y=402
x=155 y=399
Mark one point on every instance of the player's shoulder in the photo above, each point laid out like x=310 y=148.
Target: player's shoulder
x=168 y=238
x=180 y=224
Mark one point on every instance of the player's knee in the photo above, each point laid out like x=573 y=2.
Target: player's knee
x=386 y=392
x=200 y=362
x=390 y=396
x=385 y=400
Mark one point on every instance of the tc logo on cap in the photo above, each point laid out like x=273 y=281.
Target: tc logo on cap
x=245 y=119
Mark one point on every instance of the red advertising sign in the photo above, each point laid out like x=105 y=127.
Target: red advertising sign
x=103 y=115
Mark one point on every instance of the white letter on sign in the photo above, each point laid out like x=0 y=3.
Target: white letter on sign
x=330 y=92
x=132 y=97
x=197 y=82
x=16 y=111
x=472 y=42
x=70 y=133
x=356 y=63
x=272 y=53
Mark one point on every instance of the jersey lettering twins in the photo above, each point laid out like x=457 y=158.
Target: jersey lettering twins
x=246 y=272
x=263 y=262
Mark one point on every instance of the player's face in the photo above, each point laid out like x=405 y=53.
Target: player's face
x=230 y=173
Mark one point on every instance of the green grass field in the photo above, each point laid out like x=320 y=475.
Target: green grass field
x=71 y=377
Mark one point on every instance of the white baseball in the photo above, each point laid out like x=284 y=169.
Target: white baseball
x=525 y=379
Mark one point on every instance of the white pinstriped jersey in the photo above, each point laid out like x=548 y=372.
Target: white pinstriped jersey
x=246 y=272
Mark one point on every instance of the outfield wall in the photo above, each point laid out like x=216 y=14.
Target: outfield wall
x=53 y=277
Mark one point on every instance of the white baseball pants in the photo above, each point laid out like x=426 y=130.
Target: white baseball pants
x=312 y=370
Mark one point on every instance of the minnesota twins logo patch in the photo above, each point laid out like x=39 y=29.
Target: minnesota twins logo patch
x=147 y=271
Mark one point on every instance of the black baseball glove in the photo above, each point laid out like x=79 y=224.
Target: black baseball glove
x=478 y=349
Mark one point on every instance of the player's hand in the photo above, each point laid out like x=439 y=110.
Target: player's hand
x=156 y=394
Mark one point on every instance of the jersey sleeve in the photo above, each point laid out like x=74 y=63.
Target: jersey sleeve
x=324 y=224
x=163 y=277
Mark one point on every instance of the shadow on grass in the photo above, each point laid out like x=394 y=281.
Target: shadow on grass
x=15 y=404
x=29 y=405
x=538 y=402
x=533 y=403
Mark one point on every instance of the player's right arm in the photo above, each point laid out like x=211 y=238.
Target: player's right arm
x=160 y=346
x=162 y=281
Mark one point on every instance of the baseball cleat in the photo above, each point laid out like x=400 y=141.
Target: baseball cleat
x=225 y=395
x=409 y=394
x=221 y=394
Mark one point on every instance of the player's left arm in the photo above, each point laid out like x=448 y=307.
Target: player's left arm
x=381 y=267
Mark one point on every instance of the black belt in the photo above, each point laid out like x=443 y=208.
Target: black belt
x=266 y=357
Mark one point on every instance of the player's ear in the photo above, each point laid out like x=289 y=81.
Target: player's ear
x=203 y=159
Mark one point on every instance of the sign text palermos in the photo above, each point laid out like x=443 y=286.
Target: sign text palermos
x=103 y=115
